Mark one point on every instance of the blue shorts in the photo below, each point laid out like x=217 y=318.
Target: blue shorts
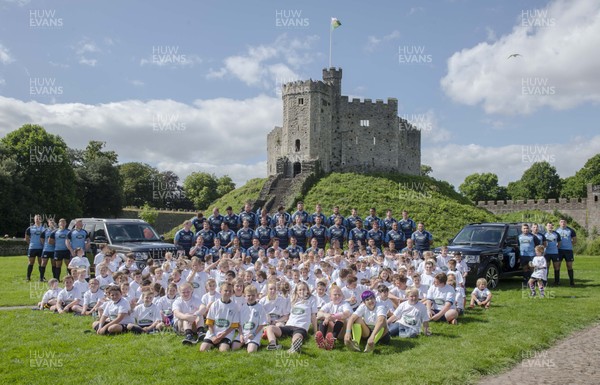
x=223 y=341
x=552 y=257
x=59 y=255
x=567 y=255
x=48 y=254
x=32 y=253
x=525 y=260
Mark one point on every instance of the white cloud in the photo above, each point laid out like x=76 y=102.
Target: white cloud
x=490 y=34
x=374 y=41
x=265 y=65
x=5 y=56
x=224 y=136
x=568 y=38
x=454 y=162
x=137 y=83
x=88 y=62
x=428 y=123
x=171 y=56
x=85 y=50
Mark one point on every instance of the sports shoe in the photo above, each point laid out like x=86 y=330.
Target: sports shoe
x=329 y=341
x=369 y=348
x=189 y=340
x=352 y=345
x=320 y=340
x=201 y=336
x=273 y=347
x=296 y=345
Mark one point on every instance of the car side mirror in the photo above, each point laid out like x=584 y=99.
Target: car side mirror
x=162 y=237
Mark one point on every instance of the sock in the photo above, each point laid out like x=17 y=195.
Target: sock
x=42 y=270
x=356 y=333
x=532 y=287
x=29 y=270
x=337 y=328
x=189 y=332
x=323 y=328
x=201 y=330
x=58 y=271
x=556 y=276
x=542 y=291
x=378 y=335
x=571 y=279
x=54 y=272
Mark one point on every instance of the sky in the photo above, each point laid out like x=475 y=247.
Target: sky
x=191 y=86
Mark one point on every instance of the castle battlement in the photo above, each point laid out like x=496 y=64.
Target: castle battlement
x=369 y=102
x=304 y=86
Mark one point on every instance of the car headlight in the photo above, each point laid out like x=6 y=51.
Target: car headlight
x=141 y=255
x=472 y=258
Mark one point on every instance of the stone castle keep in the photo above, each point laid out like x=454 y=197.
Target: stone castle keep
x=325 y=132
x=323 y=129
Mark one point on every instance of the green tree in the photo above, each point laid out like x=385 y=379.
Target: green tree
x=139 y=182
x=224 y=185
x=481 y=187
x=576 y=186
x=98 y=180
x=538 y=182
x=426 y=169
x=38 y=162
x=148 y=214
x=201 y=189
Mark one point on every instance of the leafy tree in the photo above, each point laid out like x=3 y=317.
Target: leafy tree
x=539 y=181
x=576 y=186
x=98 y=180
x=139 y=181
x=224 y=185
x=39 y=165
x=148 y=214
x=481 y=187
x=201 y=189
x=426 y=169
x=170 y=195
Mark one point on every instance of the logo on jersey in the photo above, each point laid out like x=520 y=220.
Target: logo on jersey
x=409 y=320
x=298 y=311
x=249 y=325
x=222 y=323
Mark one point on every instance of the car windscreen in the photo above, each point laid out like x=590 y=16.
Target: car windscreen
x=488 y=235
x=131 y=232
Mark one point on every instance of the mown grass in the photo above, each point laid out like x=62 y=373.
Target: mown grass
x=485 y=342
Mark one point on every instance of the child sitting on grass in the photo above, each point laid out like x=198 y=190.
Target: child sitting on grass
x=481 y=295
x=49 y=298
x=69 y=298
x=146 y=316
x=93 y=298
x=222 y=320
x=115 y=317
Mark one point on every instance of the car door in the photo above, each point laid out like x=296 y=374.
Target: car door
x=511 y=250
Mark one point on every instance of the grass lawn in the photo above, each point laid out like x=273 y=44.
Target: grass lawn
x=39 y=347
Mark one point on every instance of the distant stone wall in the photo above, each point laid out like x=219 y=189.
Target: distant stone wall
x=166 y=219
x=585 y=211
x=10 y=247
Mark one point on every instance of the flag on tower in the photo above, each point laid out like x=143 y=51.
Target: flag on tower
x=335 y=23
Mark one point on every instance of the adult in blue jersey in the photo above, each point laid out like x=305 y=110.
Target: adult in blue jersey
x=216 y=251
x=397 y=236
x=264 y=214
x=527 y=244
x=199 y=250
x=319 y=232
x=263 y=233
x=236 y=248
x=245 y=234
x=358 y=235
x=336 y=213
x=300 y=213
x=406 y=225
x=318 y=213
x=281 y=232
x=281 y=213
x=376 y=234
x=388 y=221
x=226 y=236
x=351 y=220
x=33 y=236
x=48 y=251
x=207 y=234
x=552 y=245
x=254 y=250
x=294 y=249
x=568 y=239
x=61 y=253
x=198 y=221
x=314 y=247
x=78 y=238
x=300 y=232
x=337 y=232
x=422 y=238
x=232 y=219
x=372 y=218
x=249 y=215
x=215 y=220
x=184 y=238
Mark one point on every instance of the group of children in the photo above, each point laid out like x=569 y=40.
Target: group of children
x=346 y=298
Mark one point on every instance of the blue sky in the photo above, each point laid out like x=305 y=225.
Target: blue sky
x=193 y=85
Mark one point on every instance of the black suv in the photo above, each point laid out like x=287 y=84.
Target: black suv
x=489 y=249
x=125 y=236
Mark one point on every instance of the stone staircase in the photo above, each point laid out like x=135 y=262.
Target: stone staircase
x=280 y=191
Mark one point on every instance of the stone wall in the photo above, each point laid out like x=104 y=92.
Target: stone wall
x=165 y=221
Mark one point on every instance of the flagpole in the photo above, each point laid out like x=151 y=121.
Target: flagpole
x=330 y=38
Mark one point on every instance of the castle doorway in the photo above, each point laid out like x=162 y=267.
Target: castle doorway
x=297 y=168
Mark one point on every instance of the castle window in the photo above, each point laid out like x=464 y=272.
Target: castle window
x=297 y=145
x=374 y=142
x=300 y=100
x=364 y=123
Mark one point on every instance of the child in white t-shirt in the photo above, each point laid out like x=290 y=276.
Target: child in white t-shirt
x=276 y=306
x=115 y=317
x=540 y=271
x=165 y=304
x=409 y=317
x=80 y=261
x=459 y=298
x=186 y=315
x=146 y=316
x=49 y=298
x=368 y=321
x=333 y=316
x=253 y=318
x=93 y=298
x=222 y=320
x=481 y=295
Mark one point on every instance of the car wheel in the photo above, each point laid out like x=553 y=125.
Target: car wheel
x=492 y=275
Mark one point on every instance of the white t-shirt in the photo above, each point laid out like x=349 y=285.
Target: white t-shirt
x=458 y=275
x=199 y=283
x=222 y=316
x=146 y=315
x=481 y=295
x=98 y=259
x=208 y=298
x=301 y=313
x=440 y=295
x=190 y=306
x=80 y=263
x=104 y=281
x=113 y=309
x=82 y=286
x=66 y=297
x=411 y=316
x=165 y=304
x=322 y=300
x=333 y=308
x=460 y=297
x=370 y=316
x=356 y=292
x=49 y=295
x=239 y=301
x=397 y=292
x=388 y=305
x=251 y=317
x=540 y=269
x=276 y=308
x=427 y=279
x=90 y=299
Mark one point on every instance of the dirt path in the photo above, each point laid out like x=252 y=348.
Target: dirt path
x=574 y=360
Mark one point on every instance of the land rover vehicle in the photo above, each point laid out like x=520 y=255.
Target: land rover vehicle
x=491 y=250
x=125 y=236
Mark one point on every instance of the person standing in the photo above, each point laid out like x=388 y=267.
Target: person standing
x=34 y=235
x=568 y=239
